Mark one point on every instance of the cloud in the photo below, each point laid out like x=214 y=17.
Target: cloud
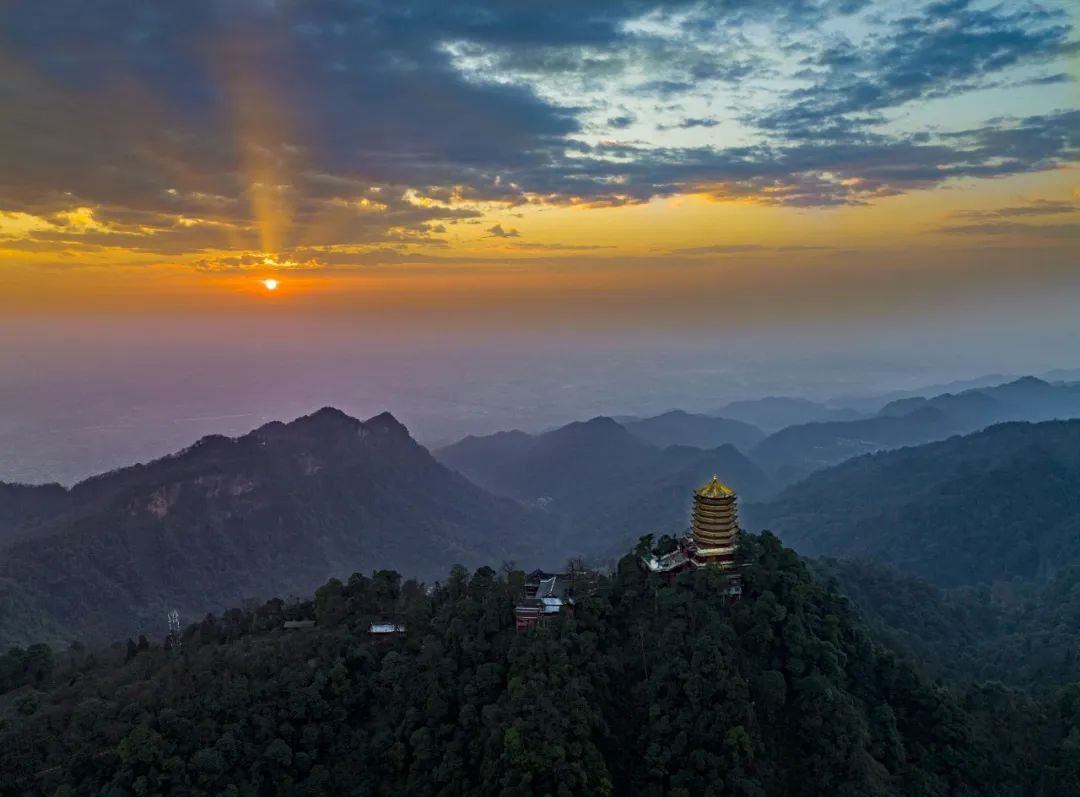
x=140 y=113
x=689 y=123
x=696 y=122
x=822 y=173
x=718 y=249
x=498 y=232
x=247 y=262
x=1016 y=229
x=1038 y=207
x=556 y=247
x=739 y=249
x=189 y=128
x=945 y=48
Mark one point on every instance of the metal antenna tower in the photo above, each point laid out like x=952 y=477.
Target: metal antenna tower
x=174 y=628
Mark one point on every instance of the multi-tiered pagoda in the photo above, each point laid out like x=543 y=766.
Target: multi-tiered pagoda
x=713 y=536
x=715 y=527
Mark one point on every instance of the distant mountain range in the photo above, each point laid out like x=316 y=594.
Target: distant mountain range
x=282 y=508
x=604 y=484
x=813 y=436
x=797 y=451
x=775 y=412
x=1027 y=399
x=997 y=505
x=870 y=404
x=274 y=512
x=679 y=428
x=608 y=481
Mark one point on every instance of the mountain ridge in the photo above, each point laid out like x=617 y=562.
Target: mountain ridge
x=796 y=451
x=276 y=510
x=997 y=504
x=604 y=484
x=678 y=427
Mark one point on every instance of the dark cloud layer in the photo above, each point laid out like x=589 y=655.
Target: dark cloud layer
x=1017 y=229
x=947 y=48
x=498 y=231
x=1040 y=207
x=1016 y=221
x=261 y=125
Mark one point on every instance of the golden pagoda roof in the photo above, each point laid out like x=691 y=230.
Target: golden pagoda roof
x=714 y=489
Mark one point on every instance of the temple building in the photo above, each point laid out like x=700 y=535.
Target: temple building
x=713 y=536
x=547 y=595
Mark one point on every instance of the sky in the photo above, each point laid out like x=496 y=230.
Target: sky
x=736 y=185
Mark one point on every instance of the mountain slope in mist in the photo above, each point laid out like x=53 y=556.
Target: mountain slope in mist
x=679 y=428
x=603 y=484
x=775 y=412
x=999 y=504
x=273 y=512
x=797 y=451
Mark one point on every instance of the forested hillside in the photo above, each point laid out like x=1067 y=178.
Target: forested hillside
x=24 y=506
x=1000 y=504
x=1021 y=634
x=277 y=511
x=650 y=689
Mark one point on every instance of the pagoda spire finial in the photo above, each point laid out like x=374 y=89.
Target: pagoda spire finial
x=715 y=489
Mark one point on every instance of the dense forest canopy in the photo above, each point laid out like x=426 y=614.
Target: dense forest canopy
x=1019 y=633
x=650 y=688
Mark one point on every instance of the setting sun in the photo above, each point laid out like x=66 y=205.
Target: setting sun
x=270 y=285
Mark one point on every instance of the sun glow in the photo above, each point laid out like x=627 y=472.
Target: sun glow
x=270 y=285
